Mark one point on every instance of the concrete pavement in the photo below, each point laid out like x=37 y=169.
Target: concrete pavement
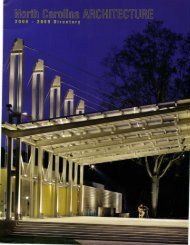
x=90 y=242
x=115 y=221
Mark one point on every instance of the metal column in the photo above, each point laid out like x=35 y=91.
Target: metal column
x=40 y=159
x=18 y=181
x=69 y=98
x=9 y=191
x=80 y=107
x=50 y=166
x=32 y=164
x=56 y=185
x=64 y=173
x=12 y=80
x=38 y=71
x=70 y=187
x=17 y=50
x=81 y=190
x=76 y=174
x=81 y=174
x=55 y=87
x=15 y=100
x=19 y=95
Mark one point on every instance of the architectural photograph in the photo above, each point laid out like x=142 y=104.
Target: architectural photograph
x=95 y=125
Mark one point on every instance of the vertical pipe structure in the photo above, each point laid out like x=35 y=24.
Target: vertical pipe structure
x=70 y=187
x=69 y=103
x=9 y=191
x=16 y=51
x=76 y=174
x=6 y=150
x=40 y=160
x=20 y=75
x=64 y=173
x=15 y=99
x=81 y=190
x=38 y=72
x=32 y=164
x=81 y=174
x=55 y=87
x=12 y=80
x=80 y=107
x=50 y=166
x=18 y=180
x=56 y=185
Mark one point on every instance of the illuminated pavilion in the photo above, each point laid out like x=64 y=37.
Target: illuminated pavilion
x=75 y=139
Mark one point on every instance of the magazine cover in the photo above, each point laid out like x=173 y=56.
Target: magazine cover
x=95 y=121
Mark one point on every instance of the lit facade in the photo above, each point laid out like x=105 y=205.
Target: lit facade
x=55 y=187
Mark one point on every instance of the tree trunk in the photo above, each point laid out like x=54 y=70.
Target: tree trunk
x=155 y=191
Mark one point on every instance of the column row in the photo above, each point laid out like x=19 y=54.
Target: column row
x=67 y=176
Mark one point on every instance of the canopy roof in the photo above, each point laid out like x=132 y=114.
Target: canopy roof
x=111 y=135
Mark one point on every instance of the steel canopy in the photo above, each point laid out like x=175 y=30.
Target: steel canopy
x=112 y=135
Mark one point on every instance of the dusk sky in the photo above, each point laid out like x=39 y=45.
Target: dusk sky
x=77 y=50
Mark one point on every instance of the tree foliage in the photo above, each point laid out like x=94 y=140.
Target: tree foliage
x=151 y=67
x=183 y=68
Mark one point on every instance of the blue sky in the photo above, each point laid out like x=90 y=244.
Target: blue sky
x=77 y=50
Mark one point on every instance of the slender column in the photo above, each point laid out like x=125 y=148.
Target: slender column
x=32 y=164
x=20 y=69
x=70 y=187
x=50 y=163
x=38 y=71
x=17 y=50
x=56 y=86
x=69 y=100
x=81 y=190
x=41 y=95
x=58 y=102
x=6 y=150
x=18 y=180
x=76 y=174
x=64 y=174
x=9 y=192
x=40 y=158
x=56 y=185
x=51 y=103
x=80 y=107
x=34 y=82
x=81 y=174
x=12 y=81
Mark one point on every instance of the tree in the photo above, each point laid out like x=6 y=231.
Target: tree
x=161 y=165
x=147 y=61
x=146 y=71
x=183 y=68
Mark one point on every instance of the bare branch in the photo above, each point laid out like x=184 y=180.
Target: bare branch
x=156 y=166
x=147 y=167
x=169 y=165
x=160 y=162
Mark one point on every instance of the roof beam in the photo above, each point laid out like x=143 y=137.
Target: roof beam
x=90 y=122
x=126 y=149
x=62 y=140
x=112 y=158
x=117 y=142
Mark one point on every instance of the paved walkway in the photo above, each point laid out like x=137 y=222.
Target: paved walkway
x=89 y=242
x=115 y=221
x=126 y=231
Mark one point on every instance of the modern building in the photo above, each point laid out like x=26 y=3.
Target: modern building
x=48 y=181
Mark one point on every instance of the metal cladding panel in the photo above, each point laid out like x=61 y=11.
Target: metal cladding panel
x=95 y=198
